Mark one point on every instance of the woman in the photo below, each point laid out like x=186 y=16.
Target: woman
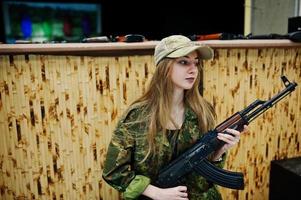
x=162 y=124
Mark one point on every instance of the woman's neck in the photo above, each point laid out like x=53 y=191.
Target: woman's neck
x=178 y=98
x=177 y=110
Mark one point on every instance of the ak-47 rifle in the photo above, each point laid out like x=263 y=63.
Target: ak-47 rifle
x=195 y=158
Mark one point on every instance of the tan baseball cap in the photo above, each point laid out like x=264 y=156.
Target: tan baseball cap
x=177 y=46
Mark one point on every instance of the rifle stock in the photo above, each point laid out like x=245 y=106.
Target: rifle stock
x=195 y=158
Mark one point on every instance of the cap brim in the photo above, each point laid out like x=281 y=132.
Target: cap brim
x=204 y=52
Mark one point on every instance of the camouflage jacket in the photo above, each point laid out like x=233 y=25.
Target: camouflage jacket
x=123 y=169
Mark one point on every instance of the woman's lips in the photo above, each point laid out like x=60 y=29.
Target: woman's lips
x=190 y=80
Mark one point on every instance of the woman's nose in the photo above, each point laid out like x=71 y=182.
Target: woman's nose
x=193 y=68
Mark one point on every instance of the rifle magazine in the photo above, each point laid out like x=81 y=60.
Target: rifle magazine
x=228 y=179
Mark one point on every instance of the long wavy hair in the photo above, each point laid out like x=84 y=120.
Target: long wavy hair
x=158 y=101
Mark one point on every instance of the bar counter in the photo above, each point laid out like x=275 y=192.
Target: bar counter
x=59 y=104
x=133 y=48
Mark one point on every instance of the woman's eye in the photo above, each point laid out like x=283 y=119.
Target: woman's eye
x=184 y=62
x=188 y=63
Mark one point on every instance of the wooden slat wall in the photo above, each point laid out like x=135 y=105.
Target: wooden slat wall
x=57 y=114
x=236 y=78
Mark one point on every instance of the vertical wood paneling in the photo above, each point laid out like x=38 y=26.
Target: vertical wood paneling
x=235 y=79
x=57 y=114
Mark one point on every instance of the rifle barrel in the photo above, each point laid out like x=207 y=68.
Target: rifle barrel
x=268 y=104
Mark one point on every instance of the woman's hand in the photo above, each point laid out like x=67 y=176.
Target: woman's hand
x=230 y=140
x=175 y=193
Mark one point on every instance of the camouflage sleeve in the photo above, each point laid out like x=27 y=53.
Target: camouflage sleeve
x=117 y=166
x=136 y=187
x=118 y=171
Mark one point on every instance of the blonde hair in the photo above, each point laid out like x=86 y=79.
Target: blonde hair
x=158 y=101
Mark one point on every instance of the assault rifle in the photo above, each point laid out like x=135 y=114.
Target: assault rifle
x=195 y=158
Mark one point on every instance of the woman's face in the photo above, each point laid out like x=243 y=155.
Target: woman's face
x=184 y=71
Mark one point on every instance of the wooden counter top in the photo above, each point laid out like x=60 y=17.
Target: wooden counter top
x=132 y=48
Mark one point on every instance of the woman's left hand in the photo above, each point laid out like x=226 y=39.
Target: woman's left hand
x=230 y=140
